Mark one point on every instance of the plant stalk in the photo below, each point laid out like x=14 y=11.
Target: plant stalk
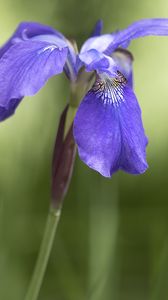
x=44 y=253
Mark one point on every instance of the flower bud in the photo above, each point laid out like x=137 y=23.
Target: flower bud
x=63 y=161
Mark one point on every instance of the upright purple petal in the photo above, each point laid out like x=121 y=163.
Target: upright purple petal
x=99 y=43
x=108 y=128
x=138 y=29
x=24 y=69
x=97 y=29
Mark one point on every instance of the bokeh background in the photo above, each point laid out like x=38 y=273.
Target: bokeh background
x=112 y=241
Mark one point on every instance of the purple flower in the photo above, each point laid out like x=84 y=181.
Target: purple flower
x=108 y=128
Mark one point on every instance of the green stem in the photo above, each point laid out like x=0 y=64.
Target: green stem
x=44 y=253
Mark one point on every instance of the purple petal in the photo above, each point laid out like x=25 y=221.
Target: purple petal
x=39 y=32
x=99 y=43
x=97 y=29
x=96 y=61
x=107 y=43
x=5 y=112
x=30 y=29
x=70 y=66
x=108 y=129
x=24 y=69
x=97 y=134
x=138 y=29
x=133 y=155
x=124 y=59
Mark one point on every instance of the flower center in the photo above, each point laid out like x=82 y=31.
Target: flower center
x=110 y=90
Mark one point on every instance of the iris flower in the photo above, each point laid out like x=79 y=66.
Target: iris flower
x=108 y=127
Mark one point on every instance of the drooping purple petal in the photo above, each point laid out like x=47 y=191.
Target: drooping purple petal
x=39 y=32
x=97 y=29
x=7 y=111
x=24 y=69
x=138 y=29
x=133 y=156
x=97 y=135
x=29 y=29
x=108 y=128
x=70 y=66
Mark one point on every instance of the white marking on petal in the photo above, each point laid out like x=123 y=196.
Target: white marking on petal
x=110 y=90
x=50 y=48
x=24 y=34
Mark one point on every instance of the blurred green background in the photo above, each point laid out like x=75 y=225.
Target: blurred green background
x=112 y=241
